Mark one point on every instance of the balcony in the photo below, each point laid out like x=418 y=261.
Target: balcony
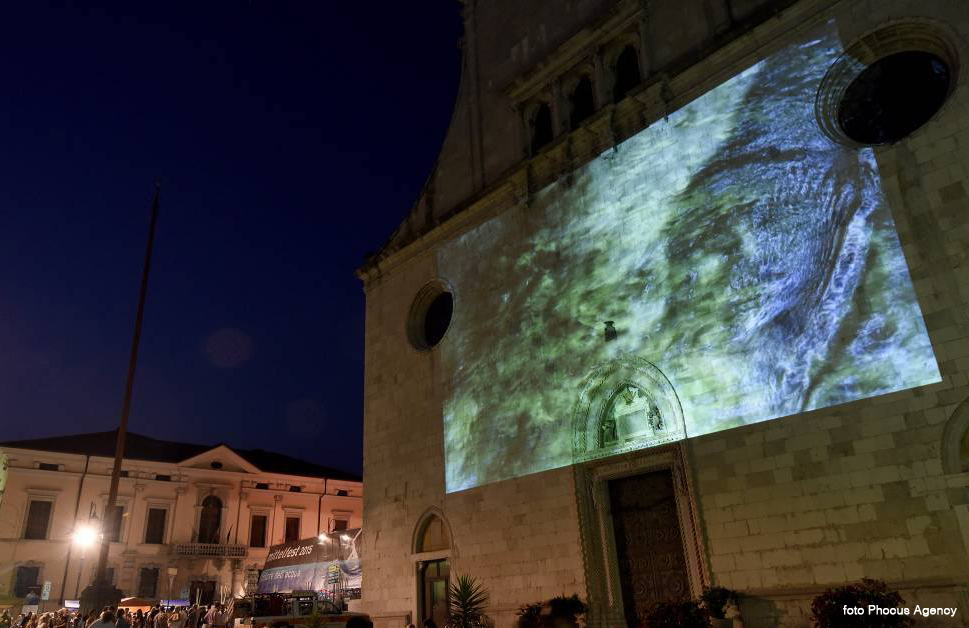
x=211 y=550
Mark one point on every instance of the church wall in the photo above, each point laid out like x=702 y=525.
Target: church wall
x=787 y=507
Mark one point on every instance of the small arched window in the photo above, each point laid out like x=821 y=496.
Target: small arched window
x=210 y=519
x=627 y=73
x=582 y=101
x=434 y=536
x=541 y=127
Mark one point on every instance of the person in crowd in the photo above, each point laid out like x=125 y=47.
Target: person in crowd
x=211 y=617
x=191 y=617
x=121 y=619
x=161 y=618
x=105 y=620
x=429 y=623
x=176 y=619
x=5 y=619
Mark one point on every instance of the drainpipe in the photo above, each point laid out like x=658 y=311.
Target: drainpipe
x=70 y=545
x=319 y=509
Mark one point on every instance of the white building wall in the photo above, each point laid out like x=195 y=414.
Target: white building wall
x=70 y=568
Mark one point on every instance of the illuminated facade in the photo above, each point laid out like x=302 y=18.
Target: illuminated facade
x=683 y=286
x=193 y=522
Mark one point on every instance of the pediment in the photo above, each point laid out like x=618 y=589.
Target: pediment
x=220 y=458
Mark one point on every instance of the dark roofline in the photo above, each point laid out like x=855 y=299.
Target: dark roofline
x=141 y=447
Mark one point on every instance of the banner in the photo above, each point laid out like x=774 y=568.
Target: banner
x=314 y=564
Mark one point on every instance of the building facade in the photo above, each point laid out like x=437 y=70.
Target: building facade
x=682 y=303
x=192 y=522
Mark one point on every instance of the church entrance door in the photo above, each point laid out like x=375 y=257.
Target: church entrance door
x=649 y=544
x=202 y=592
x=434 y=591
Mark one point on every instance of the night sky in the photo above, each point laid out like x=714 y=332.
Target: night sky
x=290 y=139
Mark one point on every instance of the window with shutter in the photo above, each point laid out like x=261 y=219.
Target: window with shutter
x=38 y=519
x=148 y=582
x=257 y=531
x=292 y=529
x=155 y=532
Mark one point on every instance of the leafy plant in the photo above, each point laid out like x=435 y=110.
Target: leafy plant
x=529 y=616
x=715 y=600
x=828 y=609
x=567 y=607
x=467 y=604
x=677 y=615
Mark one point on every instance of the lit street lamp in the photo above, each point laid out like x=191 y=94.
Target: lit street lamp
x=83 y=538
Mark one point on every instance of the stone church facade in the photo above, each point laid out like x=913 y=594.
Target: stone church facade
x=875 y=486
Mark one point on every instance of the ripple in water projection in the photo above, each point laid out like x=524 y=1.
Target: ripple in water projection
x=749 y=260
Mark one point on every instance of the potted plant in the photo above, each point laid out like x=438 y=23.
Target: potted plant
x=468 y=601
x=529 y=616
x=686 y=614
x=716 y=600
x=564 y=612
x=828 y=609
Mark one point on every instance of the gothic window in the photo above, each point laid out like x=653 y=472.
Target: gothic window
x=582 y=102
x=540 y=126
x=434 y=536
x=210 y=520
x=626 y=73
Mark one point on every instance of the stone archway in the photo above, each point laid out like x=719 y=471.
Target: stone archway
x=955 y=440
x=625 y=405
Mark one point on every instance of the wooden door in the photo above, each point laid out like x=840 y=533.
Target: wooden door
x=649 y=544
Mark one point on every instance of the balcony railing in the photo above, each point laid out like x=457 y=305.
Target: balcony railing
x=211 y=549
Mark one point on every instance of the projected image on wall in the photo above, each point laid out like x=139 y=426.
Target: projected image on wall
x=725 y=266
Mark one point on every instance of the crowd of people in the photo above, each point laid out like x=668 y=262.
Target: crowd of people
x=215 y=616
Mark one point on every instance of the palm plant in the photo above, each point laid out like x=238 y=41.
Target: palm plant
x=468 y=601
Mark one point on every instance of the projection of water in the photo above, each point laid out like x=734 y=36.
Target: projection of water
x=749 y=267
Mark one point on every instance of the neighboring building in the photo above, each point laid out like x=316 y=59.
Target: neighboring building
x=682 y=302
x=192 y=521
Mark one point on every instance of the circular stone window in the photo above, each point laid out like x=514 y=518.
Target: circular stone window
x=894 y=96
x=430 y=315
x=887 y=85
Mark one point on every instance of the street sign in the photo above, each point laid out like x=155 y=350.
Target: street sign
x=333 y=574
x=45 y=592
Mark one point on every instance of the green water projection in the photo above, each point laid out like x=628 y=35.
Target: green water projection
x=750 y=260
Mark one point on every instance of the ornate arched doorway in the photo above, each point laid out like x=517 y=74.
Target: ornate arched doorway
x=432 y=546
x=637 y=519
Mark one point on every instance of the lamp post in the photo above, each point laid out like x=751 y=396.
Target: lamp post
x=102 y=593
x=83 y=538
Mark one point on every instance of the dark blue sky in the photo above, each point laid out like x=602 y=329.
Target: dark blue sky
x=290 y=138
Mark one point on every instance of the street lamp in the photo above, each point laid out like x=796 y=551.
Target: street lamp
x=83 y=538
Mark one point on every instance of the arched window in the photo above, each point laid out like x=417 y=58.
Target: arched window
x=210 y=519
x=627 y=73
x=434 y=536
x=582 y=101
x=541 y=127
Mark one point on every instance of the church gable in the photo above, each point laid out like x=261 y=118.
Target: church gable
x=220 y=458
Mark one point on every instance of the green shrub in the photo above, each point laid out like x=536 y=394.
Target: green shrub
x=468 y=601
x=715 y=600
x=677 y=615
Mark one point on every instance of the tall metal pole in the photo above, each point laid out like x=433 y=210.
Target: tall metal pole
x=107 y=531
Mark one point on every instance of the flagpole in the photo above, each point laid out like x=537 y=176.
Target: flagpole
x=100 y=585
